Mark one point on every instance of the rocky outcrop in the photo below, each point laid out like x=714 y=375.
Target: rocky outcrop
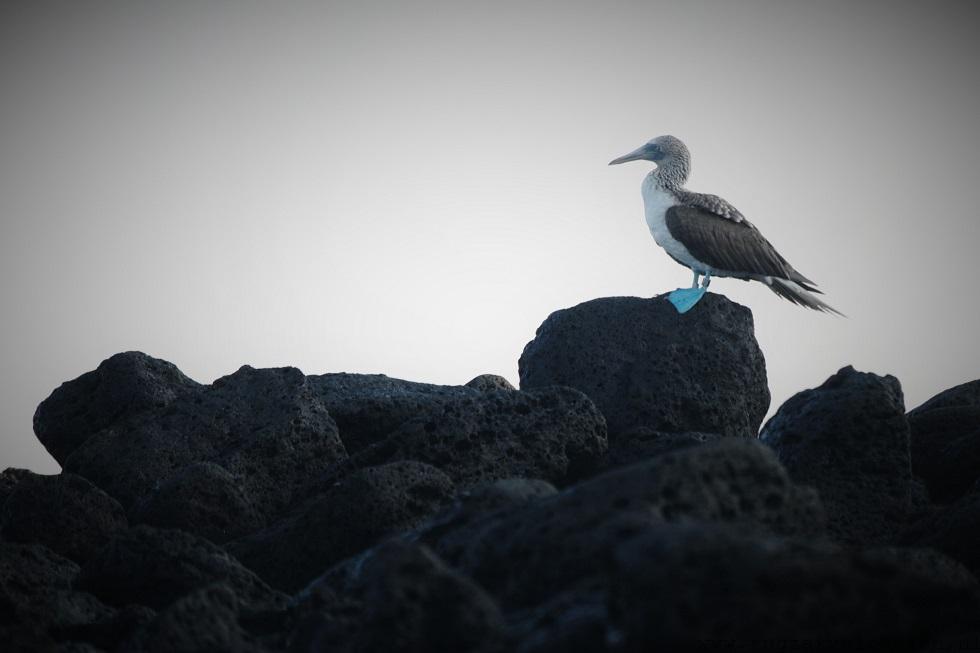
x=605 y=507
x=849 y=438
x=946 y=441
x=644 y=365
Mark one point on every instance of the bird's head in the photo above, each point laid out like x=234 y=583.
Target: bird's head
x=660 y=150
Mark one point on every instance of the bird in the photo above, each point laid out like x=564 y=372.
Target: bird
x=707 y=234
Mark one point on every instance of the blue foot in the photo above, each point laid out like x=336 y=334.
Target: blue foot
x=684 y=299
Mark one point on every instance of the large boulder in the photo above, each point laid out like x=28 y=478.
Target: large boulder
x=267 y=428
x=953 y=529
x=849 y=438
x=706 y=585
x=555 y=434
x=524 y=554
x=64 y=512
x=155 y=567
x=354 y=514
x=946 y=441
x=121 y=386
x=643 y=364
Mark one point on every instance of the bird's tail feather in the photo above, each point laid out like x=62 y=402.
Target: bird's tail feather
x=800 y=295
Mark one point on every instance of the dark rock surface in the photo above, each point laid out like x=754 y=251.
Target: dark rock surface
x=267 y=428
x=643 y=364
x=357 y=512
x=155 y=567
x=946 y=441
x=479 y=519
x=849 y=438
x=204 y=499
x=123 y=385
x=553 y=433
x=65 y=512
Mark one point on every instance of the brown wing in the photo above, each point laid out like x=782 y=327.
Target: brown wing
x=725 y=244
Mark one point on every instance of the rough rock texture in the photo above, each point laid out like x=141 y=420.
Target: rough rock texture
x=643 y=364
x=486 y=382
x=554 y=434
x=522 y=555
x=155 y=567
x=643 y=442
x=205 y=620
x=203 y=499
x=946 y=441
x=367 y=407
x=9 y=479
x=402 y=598
x=692 y=584
x=125 y=384
x=265 y=427
x=353 y=515
x=954 y=530
x=65 y=512
x=849 y=438
x=38 y=604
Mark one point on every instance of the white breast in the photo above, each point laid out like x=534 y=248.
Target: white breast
x=656 y=201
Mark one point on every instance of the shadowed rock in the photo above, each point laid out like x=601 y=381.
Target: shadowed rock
x=555 y=434
x=265 y=427
x=849 y=439
x=486 y=382
x=643 y=442
x=954 y=530
x=155 y=567
x=357 y=512
x=643 y=364
x=946 y=441
x=64 y=512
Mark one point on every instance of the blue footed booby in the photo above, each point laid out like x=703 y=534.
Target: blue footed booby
x=707 y=234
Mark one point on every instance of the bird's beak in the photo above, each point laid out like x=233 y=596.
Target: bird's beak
x=635 y=155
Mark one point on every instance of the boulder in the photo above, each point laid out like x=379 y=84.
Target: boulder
x=9 y=479
x=954 y=530
x=705 y=585
x=945 y=435
x=64 y=512
x=367 y=407
x=486 y=382
x=155 y=567
x=524 y=554
x=121 y=386
x=203 y=499
x=357 y=512
x=849 y=438
x=267 y=428
x=403 y=599
x=555 y=434
x=643 y=364
x=644 y=442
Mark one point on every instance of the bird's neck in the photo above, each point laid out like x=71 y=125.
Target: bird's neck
x=673 y=173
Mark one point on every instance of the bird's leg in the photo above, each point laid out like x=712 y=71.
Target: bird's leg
x=707 y=280
x=697 y=278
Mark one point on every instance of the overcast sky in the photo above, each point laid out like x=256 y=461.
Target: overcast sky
x=411 y=188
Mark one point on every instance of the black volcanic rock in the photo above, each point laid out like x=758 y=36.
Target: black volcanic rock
x=266 y=427
x=849 y=438
x=10 y=478
x=402 y=598
x=643 y=442
x=946 y=441
x=680 y=585
x=203 y=499
x=38 y=601
x=354 y=514
x=367 y=407
x=523 y=554
x=555 y=434
x=486 y=382
x=155 y=567
x=122 y=386
x=64 y=512
x=206 y=620
x=954 y=530
x=643 y=364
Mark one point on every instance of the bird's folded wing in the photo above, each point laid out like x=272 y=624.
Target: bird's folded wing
x=725 y=244
x=712 y=204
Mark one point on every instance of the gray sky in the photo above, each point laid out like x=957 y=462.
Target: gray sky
x=411 y=188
